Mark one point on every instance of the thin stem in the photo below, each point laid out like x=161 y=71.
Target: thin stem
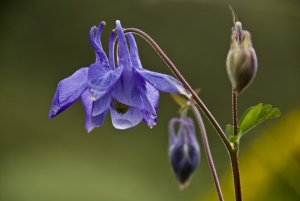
x=207 y=150
x=234 y=111
x=184 y=82
x=234 y=151
x=236 y=172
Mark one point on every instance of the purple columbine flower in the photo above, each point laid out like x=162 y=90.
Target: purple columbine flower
x=125 y=88
x=184 y=150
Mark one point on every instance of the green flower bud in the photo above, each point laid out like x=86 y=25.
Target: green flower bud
x=241 y=59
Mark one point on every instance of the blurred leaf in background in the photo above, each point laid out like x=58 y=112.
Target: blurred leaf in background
x=270 y=168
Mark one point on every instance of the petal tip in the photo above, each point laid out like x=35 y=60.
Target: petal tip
x=88 y=130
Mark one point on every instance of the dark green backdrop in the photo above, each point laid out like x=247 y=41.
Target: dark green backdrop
x=42 y=42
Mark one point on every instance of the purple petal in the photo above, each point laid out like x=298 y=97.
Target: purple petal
x=102 y=81
x=68 y=91
x=98 y=120
x=87 y=104
x=191 y=134
x=111 y=49
x=148 y=118
x=163 y=82
x=100 y=54
x=102 y=104
x=98 y=34
x=172 y=136
x=152 y=97
x=134 y=55
x=126 y=89
x=123 y=121
x=124 y=57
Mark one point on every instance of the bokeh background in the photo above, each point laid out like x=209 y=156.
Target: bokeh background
x=42 y=42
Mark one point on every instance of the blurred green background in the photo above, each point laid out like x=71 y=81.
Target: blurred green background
x=42 y=42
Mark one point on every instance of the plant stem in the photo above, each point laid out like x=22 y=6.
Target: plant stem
x=236 y=172
x=207 y=150
x=234 y=111
x=234 y=151
x=184 y=82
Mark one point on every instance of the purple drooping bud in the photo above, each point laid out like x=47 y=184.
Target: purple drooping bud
x=184 y=150
x=241 y=59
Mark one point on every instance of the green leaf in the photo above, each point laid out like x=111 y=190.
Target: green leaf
x=255 y=115
x=237 y=137
x=244 y=115
x=275 y=112
x=229 y=131
x=250 y=118
x=263 y=113
x=179 y=100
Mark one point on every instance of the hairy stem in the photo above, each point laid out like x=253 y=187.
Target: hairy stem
x=234 y=111
x=184 y=82
x=236 y=172
x=234 y=151
x=207 y=150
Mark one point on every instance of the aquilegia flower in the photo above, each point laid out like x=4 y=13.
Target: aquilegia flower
x=125 y=88
x=184 y=150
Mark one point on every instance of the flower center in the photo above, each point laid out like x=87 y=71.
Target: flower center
x=121 y=108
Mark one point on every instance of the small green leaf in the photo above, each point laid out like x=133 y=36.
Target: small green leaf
x=255 y=115
x=244 y=115
x=275 y=112
x=250 y=118
x=264 y=112
x=229 y=131
x=236 y=138
x=179 y=100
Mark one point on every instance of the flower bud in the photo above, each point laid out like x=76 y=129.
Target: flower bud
x=184 y=150
x=241 y=59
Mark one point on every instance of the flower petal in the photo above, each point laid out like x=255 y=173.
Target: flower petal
x=68 y=91
x=153 y=95
x=134 y=55
x=163 y=82
x=126 y=89
x=102 y=104
x=130 y=119
x=172 y=136
x=98 y=34
x=124 y=57
x=111 y=50
x=150 y=112
x=191 y=134
x=98 y=120
x=102 y=81
x=100 y=54
x=87 y=104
